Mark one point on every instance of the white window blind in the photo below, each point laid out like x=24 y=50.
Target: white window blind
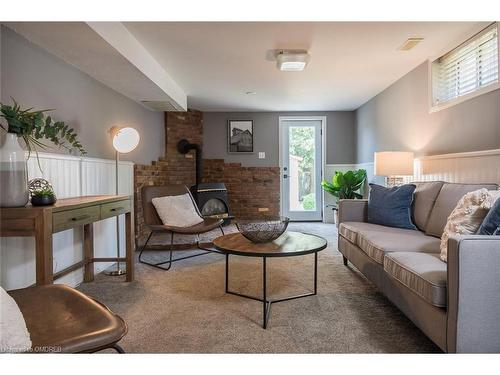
x=468 y=68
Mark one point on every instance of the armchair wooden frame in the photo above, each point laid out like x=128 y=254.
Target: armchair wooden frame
x=155 y=225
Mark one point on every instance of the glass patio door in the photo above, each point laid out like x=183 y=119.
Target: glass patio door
x=301 y=169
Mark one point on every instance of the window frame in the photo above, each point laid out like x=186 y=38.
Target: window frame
x=484 y=90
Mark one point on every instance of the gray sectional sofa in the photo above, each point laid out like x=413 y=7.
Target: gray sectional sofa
x=456 y=304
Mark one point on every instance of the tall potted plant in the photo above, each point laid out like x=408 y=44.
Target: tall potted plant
x=31 y=127
x=345 y=185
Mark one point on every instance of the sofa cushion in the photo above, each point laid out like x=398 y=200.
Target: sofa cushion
x=376 y=240
x=446 y=201
x=423 y=273
x=423 y=201
x=349 y=232
x=391 y=206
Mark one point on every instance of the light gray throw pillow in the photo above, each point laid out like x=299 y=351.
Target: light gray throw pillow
x=177 y=211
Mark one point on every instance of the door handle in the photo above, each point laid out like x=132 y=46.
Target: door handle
x=285 y=176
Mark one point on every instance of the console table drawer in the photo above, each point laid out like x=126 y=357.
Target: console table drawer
x=72 y=218
x=114 y=209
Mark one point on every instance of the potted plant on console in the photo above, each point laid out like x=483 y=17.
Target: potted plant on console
x=32 y=126
x=345 y=186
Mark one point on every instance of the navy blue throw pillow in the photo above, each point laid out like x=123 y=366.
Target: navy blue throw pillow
x=491 y=223
x=391 y=206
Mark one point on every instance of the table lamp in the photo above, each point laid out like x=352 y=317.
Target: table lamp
x=124 y=140
x=393 y=165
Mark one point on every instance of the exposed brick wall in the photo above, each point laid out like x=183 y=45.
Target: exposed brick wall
x=249 y=188
x=173 y=168
x=180 y=125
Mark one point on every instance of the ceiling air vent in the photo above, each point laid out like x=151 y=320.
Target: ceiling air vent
x=410 y=43
x=161 y=106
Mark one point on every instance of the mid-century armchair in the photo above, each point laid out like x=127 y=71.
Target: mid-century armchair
x=155 y=225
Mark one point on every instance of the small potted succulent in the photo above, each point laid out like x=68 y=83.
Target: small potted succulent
x=42 y=193
x=43 y=197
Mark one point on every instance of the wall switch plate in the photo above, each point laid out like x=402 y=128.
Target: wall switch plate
x=262 y=155
x=263 y=209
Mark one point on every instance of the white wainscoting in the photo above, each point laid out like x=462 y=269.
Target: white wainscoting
x=70 y=176
x=464 y=167
x=479 y=166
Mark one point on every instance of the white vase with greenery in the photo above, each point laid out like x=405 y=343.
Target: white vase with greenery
x=31 y=127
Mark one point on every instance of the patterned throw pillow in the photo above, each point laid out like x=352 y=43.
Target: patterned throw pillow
x=467 y=216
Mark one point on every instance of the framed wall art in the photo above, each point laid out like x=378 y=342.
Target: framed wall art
x=240 y=136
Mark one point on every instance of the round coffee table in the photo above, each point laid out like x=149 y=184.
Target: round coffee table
x=289 y=244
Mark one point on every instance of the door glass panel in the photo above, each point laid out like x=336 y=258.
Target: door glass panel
x=301 y=141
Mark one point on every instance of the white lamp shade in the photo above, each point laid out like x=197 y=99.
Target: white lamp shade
x=393 y=163
x=126 y=140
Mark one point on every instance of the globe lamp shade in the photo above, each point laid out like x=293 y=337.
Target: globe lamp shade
x=126 y=140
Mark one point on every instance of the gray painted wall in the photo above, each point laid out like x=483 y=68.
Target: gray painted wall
x=398 y=119
x=340 y=141
x=35 y=78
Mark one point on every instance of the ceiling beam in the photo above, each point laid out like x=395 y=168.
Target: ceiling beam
x=120 y=38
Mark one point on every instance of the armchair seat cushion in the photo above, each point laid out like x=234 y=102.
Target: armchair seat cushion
x=206 y=225
x=377 y=240
x=423 y=273
x=62 y=319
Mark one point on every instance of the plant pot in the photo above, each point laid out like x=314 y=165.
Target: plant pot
x=43 y=200
x=13 y=173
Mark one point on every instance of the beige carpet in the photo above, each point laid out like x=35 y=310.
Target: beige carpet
x=185 y=310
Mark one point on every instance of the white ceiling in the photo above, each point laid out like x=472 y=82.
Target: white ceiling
x=216 y=63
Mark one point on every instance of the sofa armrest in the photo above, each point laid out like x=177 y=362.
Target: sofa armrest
x=353 y=210
x=473 y=294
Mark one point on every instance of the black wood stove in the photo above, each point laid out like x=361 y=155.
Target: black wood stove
x=211 y=198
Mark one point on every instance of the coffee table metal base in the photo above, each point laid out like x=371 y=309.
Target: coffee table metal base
x=266 y=303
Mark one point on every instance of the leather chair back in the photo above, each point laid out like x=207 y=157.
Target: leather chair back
x=150 y=192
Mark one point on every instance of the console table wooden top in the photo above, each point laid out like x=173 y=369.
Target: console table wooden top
x=42 y=221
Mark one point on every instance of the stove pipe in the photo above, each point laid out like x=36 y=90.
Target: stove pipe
x=184 y=147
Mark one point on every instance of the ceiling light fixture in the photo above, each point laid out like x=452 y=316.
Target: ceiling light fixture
x=251 y=93
x=410 y=43
x=291 y=61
